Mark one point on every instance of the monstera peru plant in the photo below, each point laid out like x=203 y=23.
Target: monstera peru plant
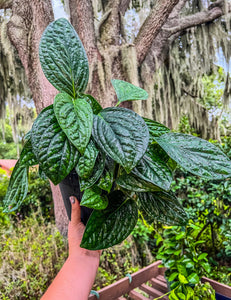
x=124 y=162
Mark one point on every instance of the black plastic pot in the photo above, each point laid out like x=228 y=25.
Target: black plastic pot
x=70 y=187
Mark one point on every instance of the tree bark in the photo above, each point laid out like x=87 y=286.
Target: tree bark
x=5 y=4
x=152 y=27
x=27 y=23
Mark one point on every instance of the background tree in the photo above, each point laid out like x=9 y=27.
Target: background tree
x=170 y=77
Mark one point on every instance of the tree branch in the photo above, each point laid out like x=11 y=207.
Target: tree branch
x=215 y=11
x=152 y=26
x=124 y=4
x=4 y=4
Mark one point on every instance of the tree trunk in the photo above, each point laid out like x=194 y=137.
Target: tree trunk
x=27 y=23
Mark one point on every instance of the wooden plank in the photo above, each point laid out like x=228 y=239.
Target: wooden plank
x=136 y=296
x=123 y=286
x=220 y=288
x=159 y=285
x=152 y=291
x=161 y=278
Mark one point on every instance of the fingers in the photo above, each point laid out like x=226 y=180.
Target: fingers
x=75 y=211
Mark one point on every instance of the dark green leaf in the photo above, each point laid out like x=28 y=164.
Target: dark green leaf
x=17 y=189
x=106 y=180
x=153 y=169
x=63 y=58
x=55 y=154
x=155 y=129
x=92 y=198
x=196 y=155
x=164 y=207
x=75 y=117
x=111 y=226
x=96 y=173
x=96 y=107
x=27 y=157
x=86 y=162
x=122 y=134
x=133 y=183
x=173 y=276
x=126 y=91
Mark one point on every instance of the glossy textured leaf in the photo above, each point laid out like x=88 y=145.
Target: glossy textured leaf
x=96 y=173
x=86 y=162
x=63 y=58
x=55 y=154
x=17 y=189
x=122 y=134
x=106 y=180
x=96 y=107
x=126 y=91
x=155 y=129
x=111 y=226
x=133 y=183
x=196 y=155
x=75 y=117
x=163 y=207
x=153 y=169
x=92 y=198
x=27 y=157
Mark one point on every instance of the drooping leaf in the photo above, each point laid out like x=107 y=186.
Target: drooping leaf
x=122 y=134
x=133 y=183
x=17 y=189
x=86 y=162
x=163 y=207
x=96 y=173
x=96 y=107
x=111 y=226
x=75 y=117
x=126 y=91
x=27 y=157
x=155 y=129
x=106 y=180
x=93 y=198
x=153 y=169
x=63 y=58
x=196 y=155
x=55 y=154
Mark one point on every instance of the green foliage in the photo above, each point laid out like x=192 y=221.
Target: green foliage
x=31 y=254
x=185 y=264
x=143 y=152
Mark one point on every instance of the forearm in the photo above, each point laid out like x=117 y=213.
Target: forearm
x=75 y=279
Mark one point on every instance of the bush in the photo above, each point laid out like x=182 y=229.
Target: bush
x=31 y=254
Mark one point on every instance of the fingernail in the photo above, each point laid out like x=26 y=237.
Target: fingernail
x=72 y=199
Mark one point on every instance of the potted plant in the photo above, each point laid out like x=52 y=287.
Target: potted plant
x=122 y=160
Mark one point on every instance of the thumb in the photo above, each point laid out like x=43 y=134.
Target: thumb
x=75 y=211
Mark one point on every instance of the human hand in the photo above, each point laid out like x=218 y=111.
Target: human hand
x=75 y=233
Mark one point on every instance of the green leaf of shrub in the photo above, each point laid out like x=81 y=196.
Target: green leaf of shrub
x=86 y=162
x=155 y=129
x=96 y=173
x=55 y=154
x=63 y=58
x=92 y=198
x=164 y=207
x=122 y=135
x=153 y=169
x=75 y=118
x=111 y=226
x=173 y=276
x=182 y=279
x=106 y=180
x=196 y=155
x=193 y=278
x=126 y=91
x=27 y=157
